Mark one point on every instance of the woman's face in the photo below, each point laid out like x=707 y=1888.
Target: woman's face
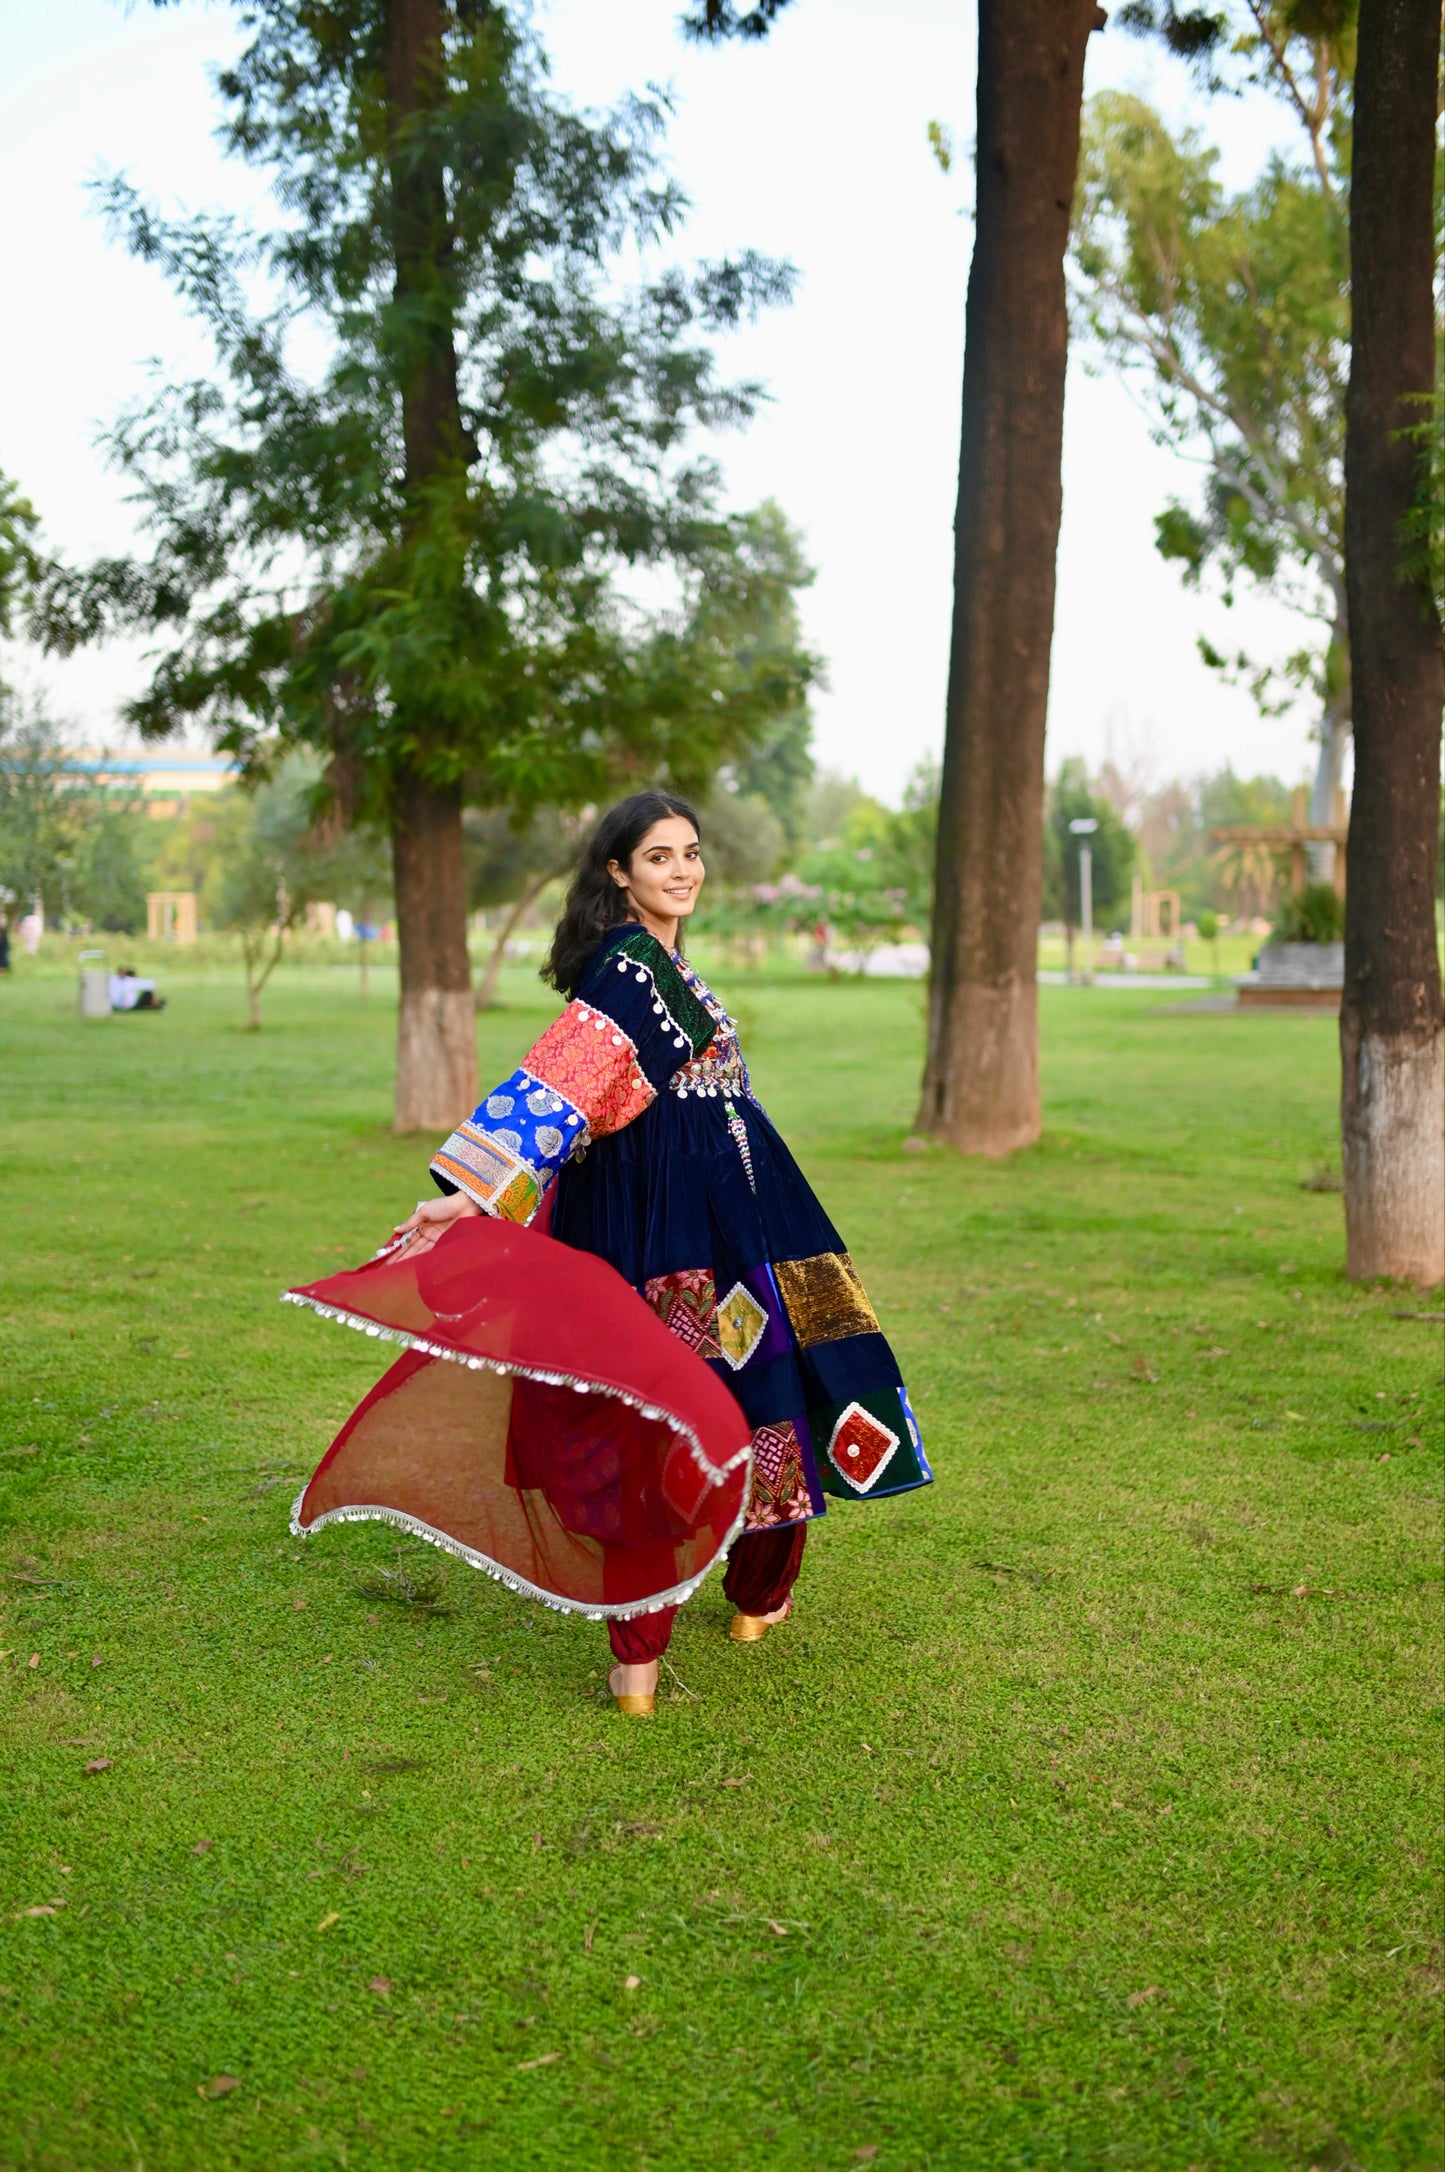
x=666 y=871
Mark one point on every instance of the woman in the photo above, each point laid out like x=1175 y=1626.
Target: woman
x=634 y=1122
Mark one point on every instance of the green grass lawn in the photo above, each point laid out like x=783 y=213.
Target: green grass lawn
x=1086 y=1814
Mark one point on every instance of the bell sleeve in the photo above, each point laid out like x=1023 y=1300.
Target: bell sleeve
x=632 y=1023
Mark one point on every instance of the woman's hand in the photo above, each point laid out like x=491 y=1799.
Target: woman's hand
x=431 y=1220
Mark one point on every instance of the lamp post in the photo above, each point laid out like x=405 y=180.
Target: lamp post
x=1084 y=829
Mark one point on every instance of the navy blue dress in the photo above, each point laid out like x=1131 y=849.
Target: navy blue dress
x=636 y=1104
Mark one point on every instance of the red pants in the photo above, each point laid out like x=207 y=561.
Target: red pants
x=762 y=1569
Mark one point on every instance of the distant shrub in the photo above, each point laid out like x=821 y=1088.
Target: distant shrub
x=1315 y=915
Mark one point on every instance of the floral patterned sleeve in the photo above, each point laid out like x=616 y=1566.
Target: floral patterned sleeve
x=632 y=1023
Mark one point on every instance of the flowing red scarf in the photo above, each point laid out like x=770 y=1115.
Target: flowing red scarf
x=543 y=1424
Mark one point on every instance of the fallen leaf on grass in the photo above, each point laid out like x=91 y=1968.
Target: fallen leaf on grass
x=1140 y=1998
x=779 y=1930
x=548 y=2058
x=98 y=1764
x=633 y=1983
x=865 y=2153
x=738 y=1783
x=298 y=1605
x=33 y=1660
x=220 y=2085
x=333 y=1915
x=203 y=1847
x=41 y=1908
x=1142 y=1371
x=381 y=1985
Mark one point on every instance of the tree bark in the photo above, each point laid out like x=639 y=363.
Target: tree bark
x=1392 y=1085
x=981 y=1079
x=436 y=1049
x=436 y=1060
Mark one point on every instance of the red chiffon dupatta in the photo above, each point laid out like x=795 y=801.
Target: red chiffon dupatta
x=543 y=1424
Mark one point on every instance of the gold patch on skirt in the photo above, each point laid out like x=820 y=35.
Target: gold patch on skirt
x=825 y=1298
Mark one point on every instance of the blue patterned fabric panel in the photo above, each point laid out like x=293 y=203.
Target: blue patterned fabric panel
x=533 y=1122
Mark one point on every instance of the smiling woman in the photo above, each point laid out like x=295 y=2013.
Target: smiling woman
x=632 y=1128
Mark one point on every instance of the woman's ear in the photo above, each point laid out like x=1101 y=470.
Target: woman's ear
x=617 y=875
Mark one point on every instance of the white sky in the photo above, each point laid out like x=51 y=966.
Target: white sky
x=811 y=146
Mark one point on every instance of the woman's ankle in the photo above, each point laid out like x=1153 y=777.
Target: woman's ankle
x=633 y=1681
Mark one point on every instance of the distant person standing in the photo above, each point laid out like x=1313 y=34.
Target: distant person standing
x=4 y=942
x=129 y=994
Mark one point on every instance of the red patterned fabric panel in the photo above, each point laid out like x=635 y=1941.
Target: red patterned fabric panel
x=686 y=1302
x=587 y=1058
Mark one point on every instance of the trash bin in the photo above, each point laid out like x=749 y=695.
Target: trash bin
x=94 y=986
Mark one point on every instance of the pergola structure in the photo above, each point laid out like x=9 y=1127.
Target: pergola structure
x=1293 y=836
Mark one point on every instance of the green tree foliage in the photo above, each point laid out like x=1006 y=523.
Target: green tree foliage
x=874 y=882
x=1230 y=314
x=1175 y=852
x=445 y=451
x=779 y=772
x=45 y=808
x=18 y=558
x=108 y=876
x=1112 y=850
x=300 y=585
x=743 y=840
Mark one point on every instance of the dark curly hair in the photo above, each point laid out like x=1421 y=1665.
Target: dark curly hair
x=595 y=903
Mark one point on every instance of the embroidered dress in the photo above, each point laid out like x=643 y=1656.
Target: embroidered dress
x=635 y=1108
x=601 y=1478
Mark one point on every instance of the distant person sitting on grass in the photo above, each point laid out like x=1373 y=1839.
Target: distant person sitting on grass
x=129 y=994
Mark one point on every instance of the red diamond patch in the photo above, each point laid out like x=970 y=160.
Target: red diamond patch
x=861 y=1448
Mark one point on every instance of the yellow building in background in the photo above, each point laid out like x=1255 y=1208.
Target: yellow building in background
x=166 y=779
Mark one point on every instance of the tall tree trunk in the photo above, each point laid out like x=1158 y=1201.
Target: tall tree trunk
x=436 y=1062
x=436 y=1049
x=981 y=1080
x=1392 y=1087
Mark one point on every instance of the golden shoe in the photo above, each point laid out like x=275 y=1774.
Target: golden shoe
x=747 y=1628
x=637 y=1705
